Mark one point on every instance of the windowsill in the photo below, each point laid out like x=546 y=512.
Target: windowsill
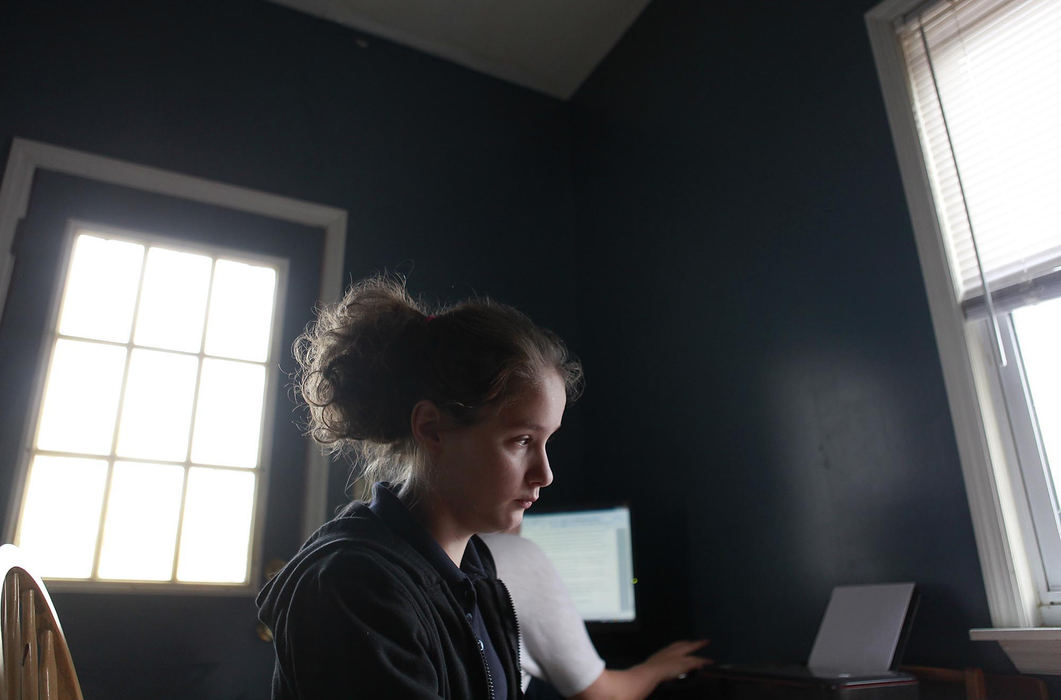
x=1031 y=649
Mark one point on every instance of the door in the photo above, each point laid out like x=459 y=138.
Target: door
x=165 y=642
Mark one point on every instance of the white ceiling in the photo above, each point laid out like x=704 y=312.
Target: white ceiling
x=546 y=45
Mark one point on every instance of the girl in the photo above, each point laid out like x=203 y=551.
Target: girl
x=449 y=415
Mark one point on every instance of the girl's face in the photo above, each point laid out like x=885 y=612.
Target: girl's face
x=489 y=473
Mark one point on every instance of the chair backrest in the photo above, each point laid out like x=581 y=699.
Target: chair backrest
x=35 y=661
x=963 y=683
x=974 y=684
x=1015 y=687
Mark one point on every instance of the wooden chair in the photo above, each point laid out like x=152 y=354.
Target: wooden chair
x=35 y=662
x=1007 y=687
x=976 y=684
x=950 y=682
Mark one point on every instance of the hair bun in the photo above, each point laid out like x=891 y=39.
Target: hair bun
x=360 y=364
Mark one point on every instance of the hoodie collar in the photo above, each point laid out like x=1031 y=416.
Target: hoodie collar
x=389 y=508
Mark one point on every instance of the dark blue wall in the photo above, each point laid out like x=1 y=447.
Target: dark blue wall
x=766 y=385
x=434 y=163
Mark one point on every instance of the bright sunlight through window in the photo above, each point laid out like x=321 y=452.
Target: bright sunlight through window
x=1038 y=330
x=146 y=461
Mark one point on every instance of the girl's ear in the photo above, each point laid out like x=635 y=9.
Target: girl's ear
x=426 y=422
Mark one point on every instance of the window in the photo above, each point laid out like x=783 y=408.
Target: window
x=974 y=103
x=150 y=425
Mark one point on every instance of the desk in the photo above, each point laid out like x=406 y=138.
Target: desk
x=726 y=684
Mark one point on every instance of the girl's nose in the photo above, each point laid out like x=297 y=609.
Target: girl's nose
x=540 y=474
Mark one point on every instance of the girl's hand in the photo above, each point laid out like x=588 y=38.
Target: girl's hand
x=676 y=660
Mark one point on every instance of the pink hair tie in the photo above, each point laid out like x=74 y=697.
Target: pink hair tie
x=431 y=318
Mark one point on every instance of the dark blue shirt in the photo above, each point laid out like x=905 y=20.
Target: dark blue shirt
x=386 y=504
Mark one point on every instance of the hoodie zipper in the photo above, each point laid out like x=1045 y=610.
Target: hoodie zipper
x=482 y=652
x=486 y=667
x=482 y=655
x=512 y=611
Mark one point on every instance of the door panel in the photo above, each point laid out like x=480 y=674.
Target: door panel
x=158 y=645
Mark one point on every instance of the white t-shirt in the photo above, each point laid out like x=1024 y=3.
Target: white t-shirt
x=554 y=644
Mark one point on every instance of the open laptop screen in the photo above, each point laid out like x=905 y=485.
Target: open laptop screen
x=862 y=629
x=592 y=551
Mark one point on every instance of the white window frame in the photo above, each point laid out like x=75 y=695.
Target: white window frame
x=26 y=157
x=272 y=389
x=1000 y=511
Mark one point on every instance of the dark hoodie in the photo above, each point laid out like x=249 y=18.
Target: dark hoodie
x=360 y=612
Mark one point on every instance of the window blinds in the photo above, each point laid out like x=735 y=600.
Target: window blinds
x=985 y=76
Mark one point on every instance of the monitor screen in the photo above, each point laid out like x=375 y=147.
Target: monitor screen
x=592 y=551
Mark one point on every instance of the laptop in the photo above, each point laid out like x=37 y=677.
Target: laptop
x=859 y=642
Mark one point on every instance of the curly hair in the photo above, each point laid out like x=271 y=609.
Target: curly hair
x=366 y=361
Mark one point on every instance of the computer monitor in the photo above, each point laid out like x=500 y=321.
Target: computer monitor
x=592 y=551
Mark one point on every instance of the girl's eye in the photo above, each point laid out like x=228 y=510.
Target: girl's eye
x=523 y=441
